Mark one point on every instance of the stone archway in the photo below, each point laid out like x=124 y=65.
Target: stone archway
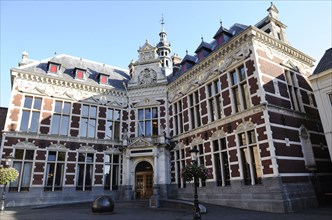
x=143 y=180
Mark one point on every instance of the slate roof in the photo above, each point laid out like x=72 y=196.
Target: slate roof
x=325 y=62
x=69 y=63
x=222 y=30
x=208 y=46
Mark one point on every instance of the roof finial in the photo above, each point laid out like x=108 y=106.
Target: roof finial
x=162 y=22
x=202 y=38
x=220 y=23
x=186 y=52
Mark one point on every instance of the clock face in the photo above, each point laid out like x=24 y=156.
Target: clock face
x=147 y=76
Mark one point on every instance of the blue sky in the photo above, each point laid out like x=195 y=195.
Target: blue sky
x=111 y=31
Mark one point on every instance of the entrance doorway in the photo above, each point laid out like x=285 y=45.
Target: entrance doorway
x=143 y=180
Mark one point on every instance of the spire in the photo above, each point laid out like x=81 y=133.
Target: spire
x=162 y=23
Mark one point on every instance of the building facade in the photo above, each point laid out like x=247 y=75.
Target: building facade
x=321 y=82
x=79 y=129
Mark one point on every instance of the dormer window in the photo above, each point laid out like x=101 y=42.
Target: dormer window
x=103 y=79
x=220 y=41
x=53 y=67
x=79 y=73
x=184 y=67
x=200 y=55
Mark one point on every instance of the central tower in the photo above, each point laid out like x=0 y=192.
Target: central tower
x=164 y=51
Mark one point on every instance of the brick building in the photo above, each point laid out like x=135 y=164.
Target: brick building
x=79 y=129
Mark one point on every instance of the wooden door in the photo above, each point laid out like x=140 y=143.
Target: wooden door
x=144 y=185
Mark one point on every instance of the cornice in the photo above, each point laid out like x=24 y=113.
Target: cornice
x=214 y=60
x=55 y=138
x=68 y=84
x=265 y=38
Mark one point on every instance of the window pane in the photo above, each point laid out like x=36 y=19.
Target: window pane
x=154 y=113
x=210 y=90
x=234 y=78
x=116 y=130
x=81 y=157
x=109 y=114
x=29 y=154
x=51 y=156
x=148 y=128
x=61 y=156
x=109 y=130
x=26 y=175
x=50 y=174
x=66 y=108
x=115 y=158
x=242 y=139
x=91 y=128
x=93 y=111
x=140 y=128
x=37 y=103
x=155 y=127
x=27 y=102
x=89 y=158
x=25 y=121
x=58 y=107
x=19 y=154
x=217 y=86
x=242 y=73
x=147 y=113
x=85 y=111
x=64 y=125
x=116 y=114
x=17 y=166
x=88 y=175
x=55 y=124
x=80 y=174
x=140 y=114
x=107 y=158
x=83 y=127
x=59 y=174
x=34 y=122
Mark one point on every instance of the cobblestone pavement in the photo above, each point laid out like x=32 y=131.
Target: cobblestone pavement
x=214 y=212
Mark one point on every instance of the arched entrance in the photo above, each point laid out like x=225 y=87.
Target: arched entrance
x=143 y=180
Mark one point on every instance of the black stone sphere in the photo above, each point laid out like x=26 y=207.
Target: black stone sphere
x=103 y=204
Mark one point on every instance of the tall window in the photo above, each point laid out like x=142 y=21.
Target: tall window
x=178 y=117
x=23 y=163
x=221 y=163
x=60 y=118
x=180 y=161
x=148 y=122
x=240 y=90
x=30 y=114
x=55 y=170
x=112 y=130
x=84 y=171
x=88 y=121
x=111 y=171
x=251 y=165
x=214 y=100
x=294 y=91
x=195 y=116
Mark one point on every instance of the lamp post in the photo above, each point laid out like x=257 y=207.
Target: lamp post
x=9 y=163
x=197 y=211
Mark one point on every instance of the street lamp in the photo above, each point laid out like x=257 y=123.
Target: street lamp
x=197 y=211
x=9 y=163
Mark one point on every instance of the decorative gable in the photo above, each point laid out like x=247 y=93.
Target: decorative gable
x=140 y=142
